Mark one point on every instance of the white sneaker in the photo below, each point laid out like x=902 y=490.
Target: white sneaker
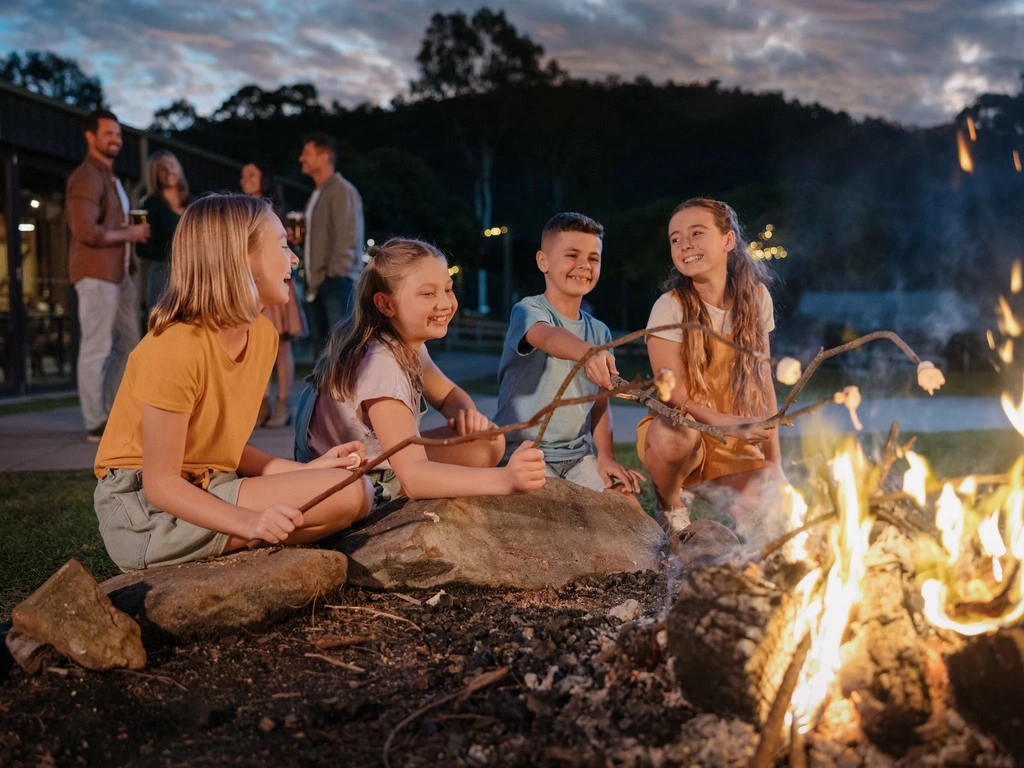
x=673 y=521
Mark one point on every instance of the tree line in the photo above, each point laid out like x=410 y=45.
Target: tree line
x=494 y=133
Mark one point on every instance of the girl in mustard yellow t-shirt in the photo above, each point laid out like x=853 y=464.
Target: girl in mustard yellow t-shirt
x=178 y=480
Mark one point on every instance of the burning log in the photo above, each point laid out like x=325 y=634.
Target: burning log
x=739 y=625
x=884 y=663
x=988 y=681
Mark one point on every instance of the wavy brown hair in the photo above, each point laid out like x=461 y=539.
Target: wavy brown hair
x=336 y=369
x=211 y=280
x=748 y=382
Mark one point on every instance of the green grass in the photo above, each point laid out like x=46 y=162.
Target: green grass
x=40 y=404
x=47 y=517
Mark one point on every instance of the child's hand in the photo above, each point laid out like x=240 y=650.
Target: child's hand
x=617 y=478
x=600 y=369
x=526 y=468
x=274 y=523
x=344 y=456
x=467 y=421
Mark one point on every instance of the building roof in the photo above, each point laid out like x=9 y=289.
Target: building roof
x=935 y=313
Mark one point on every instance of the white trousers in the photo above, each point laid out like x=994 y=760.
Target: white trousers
x=108 y=315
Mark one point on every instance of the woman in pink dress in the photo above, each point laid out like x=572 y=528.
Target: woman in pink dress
x=288 y=319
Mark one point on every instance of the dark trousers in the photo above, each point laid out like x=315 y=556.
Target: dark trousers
x=331 y=306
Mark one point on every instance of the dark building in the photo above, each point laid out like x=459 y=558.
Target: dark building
x=41 y=142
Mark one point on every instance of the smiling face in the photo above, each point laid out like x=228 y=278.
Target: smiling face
x=167 y=174
x=699 y=248
x=107 y=139
x=272 y=262
x=252 y=180
x=424 y=303
x=571 y=263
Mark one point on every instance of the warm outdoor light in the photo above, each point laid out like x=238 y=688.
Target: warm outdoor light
x=26 y=227
x=1016 y=160
x=370 y=243
x=453 y=270
x=34 y=203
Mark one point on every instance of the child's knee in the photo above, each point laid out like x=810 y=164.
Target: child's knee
x=671 y=443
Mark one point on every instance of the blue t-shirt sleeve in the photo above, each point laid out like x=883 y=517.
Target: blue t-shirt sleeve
x=524 y=316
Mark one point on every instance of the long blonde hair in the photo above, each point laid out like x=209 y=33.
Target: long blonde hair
x=153 y=174
x=745 y=277
x=211 y=281
x=336 y=369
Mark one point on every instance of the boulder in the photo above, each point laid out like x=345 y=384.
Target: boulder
x=212 y=598
x=73 y=614
x=551 y=536
x=704 y=542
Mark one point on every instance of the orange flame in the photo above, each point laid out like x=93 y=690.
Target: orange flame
x=1015 y=277
x=1008 y=324
x=964 y=154
x=1016 y=160
x=970 y=129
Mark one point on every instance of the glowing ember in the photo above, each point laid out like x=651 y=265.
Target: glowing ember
x=1006 y=351
x=1008 y=324
x=964 y=154
x=971 y=130
x=915 y=477
x=1015 y=276
x=1016 y=160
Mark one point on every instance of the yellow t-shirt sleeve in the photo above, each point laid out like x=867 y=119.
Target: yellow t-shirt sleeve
x=171 y=373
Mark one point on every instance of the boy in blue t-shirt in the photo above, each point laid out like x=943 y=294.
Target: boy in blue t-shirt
x=547 y=335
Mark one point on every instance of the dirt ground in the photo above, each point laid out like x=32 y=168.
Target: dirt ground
x=261 y=698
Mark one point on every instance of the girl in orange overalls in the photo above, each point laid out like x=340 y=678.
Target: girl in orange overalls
x=714 y=283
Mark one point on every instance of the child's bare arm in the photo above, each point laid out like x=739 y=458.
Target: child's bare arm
x=566 y=345
x=452 y=401
x=163 y=450
x=611 y=471
x=393 y=422
x=257 y=463
x=666 y=354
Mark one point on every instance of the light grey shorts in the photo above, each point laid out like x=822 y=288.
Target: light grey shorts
x=138 y=535
x=582 y=471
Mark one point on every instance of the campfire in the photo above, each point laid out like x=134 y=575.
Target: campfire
x=881 y=623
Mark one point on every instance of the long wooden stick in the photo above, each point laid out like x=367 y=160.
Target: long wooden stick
x=771 y=733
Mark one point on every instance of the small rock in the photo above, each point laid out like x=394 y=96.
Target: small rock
x=704 y=542
x=31 y=654
x=218 y=597
x=72 y=613
x=266 y=724
x=625 y=611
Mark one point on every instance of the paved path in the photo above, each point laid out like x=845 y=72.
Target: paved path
x=54 y=439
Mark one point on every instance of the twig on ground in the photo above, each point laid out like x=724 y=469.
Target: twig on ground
x=771 y=733
x=478 y=682
x=375 y=612
x=334 y=662
x=160 y=678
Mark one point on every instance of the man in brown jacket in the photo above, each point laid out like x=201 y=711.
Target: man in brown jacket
x=102 y=269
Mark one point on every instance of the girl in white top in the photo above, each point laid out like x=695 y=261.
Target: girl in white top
x=375 y=373
x=716 y=284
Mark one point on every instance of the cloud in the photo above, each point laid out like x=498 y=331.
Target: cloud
x=915 y=61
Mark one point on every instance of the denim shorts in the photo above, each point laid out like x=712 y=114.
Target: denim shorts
x=137 y=535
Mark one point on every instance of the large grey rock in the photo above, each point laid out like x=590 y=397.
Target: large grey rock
x=216 y=597
x=73 y=614
x=551 y=536
x=702 y=543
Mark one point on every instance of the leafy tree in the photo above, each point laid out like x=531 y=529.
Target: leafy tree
x=54 y=76
x=474 y=65
x=253 y=103
x=178 y=116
